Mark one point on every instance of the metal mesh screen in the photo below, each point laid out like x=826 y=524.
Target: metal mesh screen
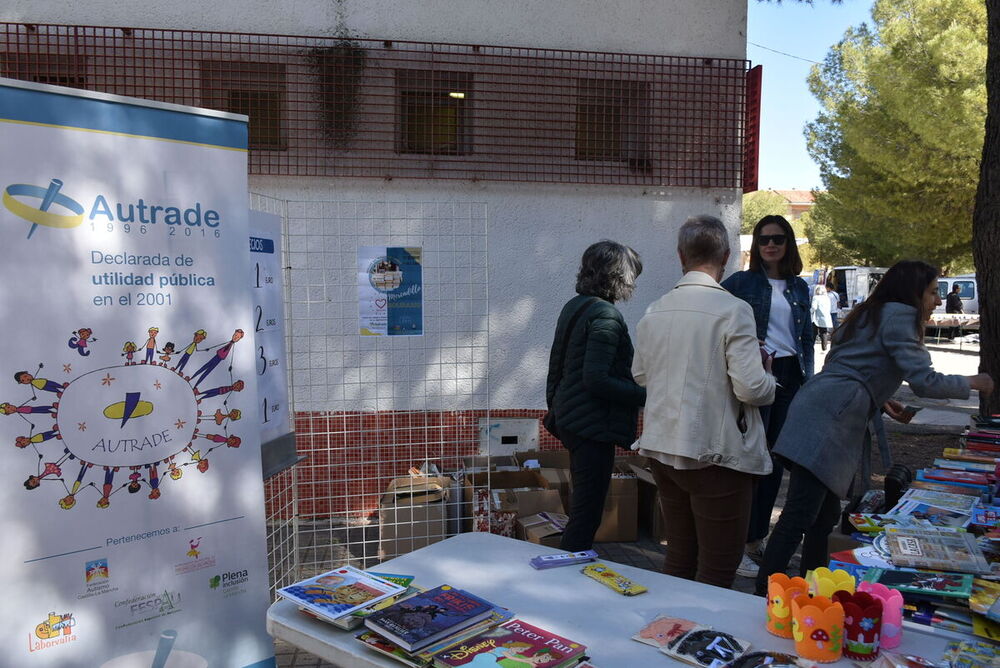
x=368 y=408
x=389 y=109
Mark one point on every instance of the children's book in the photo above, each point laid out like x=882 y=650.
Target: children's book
x=963 y=501
x=937 y=549
x=965 y=455
x=930 y=486
x=664 y=631
x=985 y=598
x=357 y=618
x=980 y=481
x=927 y=514
x=925 y=583
x=374 y=641
x=707 y=647
x=986 y=516
x=964 y=465
x=428 y=616
x=511 y=644
x=339 y=592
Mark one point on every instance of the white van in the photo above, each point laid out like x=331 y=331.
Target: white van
x=968 y=291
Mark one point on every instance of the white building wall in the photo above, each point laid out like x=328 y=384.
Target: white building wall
x=669 y=27
x=536 y=233
x=536 y=237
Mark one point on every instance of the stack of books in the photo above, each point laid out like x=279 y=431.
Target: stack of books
x=340 y=592
x=932 y=598
x=519 y=643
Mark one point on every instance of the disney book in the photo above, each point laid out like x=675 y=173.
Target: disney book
x=339 y=592
x=514 y=643
x=420 y=620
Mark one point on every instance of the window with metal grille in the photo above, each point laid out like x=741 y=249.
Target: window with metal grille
x=254 y=89
x=612 y=121
x=58 y=69
x=433 y=112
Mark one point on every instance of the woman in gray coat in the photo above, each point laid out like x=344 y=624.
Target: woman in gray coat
x=875 y=349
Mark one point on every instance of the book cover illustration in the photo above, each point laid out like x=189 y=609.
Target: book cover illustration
x=339 y=592
x=939 y=549
x=664 y=631
x=355 y=619
x=986 y=516
x=374 y=641
x=933 y=515
x=955 y=585
x=497 y=617
x=707 y=647
x=515 y=644
x=423 y=618
x=985 y=598
x=962 y=502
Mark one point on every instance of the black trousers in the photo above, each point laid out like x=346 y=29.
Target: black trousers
x=811 y=510
x=590 y=466
x=789 y=376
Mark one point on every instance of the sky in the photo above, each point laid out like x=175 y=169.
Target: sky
x=806 y=32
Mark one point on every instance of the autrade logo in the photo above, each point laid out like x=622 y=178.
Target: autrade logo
x=40 y=214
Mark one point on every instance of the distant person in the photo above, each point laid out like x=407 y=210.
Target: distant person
x=822 y=320
x=698 y=356
x=780 y=302
x=878 y=346
x=953 y=304
x=592 y=399
x=834 y=296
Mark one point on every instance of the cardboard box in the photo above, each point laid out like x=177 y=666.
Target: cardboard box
x=413 y=513
x=497 y=498
x=620 y=522
x=650 y=515
x=547 y=459
x=559 y=480
x=543 y=528
x=479 y=463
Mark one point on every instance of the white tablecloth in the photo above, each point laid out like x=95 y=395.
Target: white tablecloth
x=564 y=601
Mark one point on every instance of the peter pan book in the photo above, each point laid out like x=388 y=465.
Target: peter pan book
x=925 y=583
x=515 y=644
x=339 y=592
x=428 y=616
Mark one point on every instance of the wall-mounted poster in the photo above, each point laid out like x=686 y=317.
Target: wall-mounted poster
x=133 y=505
x=390 y=291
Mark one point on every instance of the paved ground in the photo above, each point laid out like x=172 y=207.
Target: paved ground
x=938 y=415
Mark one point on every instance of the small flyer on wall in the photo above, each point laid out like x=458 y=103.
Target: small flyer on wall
x=390 y=291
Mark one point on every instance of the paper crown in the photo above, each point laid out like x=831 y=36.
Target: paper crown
x=817 y=628
x=862 y=624
x=892 y=612
x=781 y=589
x=823 y=582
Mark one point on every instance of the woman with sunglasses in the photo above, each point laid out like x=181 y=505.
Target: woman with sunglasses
x=878 y=346
x=781 y=305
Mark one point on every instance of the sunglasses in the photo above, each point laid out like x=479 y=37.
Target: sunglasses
x=776 y=239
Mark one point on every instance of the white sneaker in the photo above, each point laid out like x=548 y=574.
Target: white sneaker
x=747 y=568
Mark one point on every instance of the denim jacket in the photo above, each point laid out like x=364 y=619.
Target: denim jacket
x=754 y=288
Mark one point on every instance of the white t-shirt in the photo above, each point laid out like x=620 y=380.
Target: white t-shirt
x=779 y=323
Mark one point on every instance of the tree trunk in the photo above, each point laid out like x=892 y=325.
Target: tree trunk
x=986 y=216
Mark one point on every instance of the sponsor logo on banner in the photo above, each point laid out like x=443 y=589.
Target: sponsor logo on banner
x=197 y=559
x=231 y=583
x=97 y=577
x=47 y=206
x=55 y=630
x=147 y=607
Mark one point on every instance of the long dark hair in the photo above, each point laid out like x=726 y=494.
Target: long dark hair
x=608 y=270
x=788 y=266
x=905 y=282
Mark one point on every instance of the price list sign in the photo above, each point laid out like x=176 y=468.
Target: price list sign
x=269 y=325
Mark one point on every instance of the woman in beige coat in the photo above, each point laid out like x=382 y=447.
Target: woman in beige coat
x=698 y=356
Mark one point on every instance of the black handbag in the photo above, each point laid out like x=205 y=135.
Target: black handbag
x=549 y=419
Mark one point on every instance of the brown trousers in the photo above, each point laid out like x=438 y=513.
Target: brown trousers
x=705 y=514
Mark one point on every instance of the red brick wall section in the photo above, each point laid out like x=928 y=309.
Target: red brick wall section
x=351 y=457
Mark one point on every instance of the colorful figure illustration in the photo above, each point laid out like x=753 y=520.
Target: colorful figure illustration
x=128 y=352
x=40 y=437
x=79 y=340
x=133 y=482
x=168 y=350
x=25 y=378
x=193 y=543
x=109 y=480
x=230 y=441
x=222 y=353
x=222 y=389
x=51 y=469
x=151 y=344
x=199 y=336
x=154 y=482
x=220 y=417
x=10 y=409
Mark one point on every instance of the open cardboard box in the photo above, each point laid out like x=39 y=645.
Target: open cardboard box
x=542 y=528
x=620 y=523
x=413 y=513
x=495 y=499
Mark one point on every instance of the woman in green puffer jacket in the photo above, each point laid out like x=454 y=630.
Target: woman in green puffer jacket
x=592 y=399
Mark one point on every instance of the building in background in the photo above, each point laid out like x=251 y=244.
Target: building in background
x=502 y=137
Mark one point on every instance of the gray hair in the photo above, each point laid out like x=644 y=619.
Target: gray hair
x=703 y=240
x=608 y=270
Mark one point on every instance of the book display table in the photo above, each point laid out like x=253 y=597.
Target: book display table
x=566 y=602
